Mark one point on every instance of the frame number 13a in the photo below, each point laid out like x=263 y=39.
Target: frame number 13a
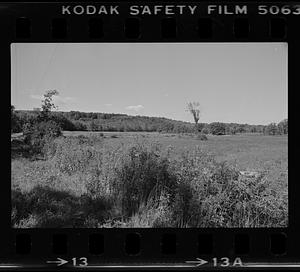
x=225 y=261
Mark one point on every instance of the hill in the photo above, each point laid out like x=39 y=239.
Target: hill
x=96 y=121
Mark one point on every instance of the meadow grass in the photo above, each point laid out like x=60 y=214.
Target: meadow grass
x=152 y=180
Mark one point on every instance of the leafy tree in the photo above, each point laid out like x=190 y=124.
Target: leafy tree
x=15 y=120
x=92 y=126
x=43 y=129
x=271 y=129
x=217 y=128
x=48 y=104
x=79 y=126
x=241 y=128
x=63 y=121
x=283 y=126
x=232 y=130
x=200 y=126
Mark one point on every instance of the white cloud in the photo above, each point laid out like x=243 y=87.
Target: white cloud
x=136 y=108
x=108 y=105
x=36 y=96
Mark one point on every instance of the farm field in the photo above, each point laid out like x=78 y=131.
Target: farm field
x=125 y=179
x=246 y=151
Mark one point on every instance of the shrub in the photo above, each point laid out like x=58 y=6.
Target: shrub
x=183 y=205
x=201 y=137
x=40 y=133
x=205 y=130
x=156 y=214
x=142 y=175
x=32 y=221
x=213 y=194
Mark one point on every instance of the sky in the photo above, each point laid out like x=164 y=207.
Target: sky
x=233 y=82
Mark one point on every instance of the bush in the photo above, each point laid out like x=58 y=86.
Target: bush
x=40 y=133
x=183 y=205
x=205 y=130
x=156 y=214
x=201 y=137
x=214 y=194
x=142 y=176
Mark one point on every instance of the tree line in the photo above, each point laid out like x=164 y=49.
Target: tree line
x=92 y=121
x=25 y=120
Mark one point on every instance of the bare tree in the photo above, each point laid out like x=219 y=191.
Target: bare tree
x=194 y=109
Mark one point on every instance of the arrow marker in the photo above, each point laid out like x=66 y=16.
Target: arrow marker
x=59 y=262
x=198 y=262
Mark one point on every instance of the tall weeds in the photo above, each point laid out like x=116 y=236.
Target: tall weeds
x=141 y=185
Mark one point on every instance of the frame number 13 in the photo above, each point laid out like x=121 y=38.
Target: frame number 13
x=82 y=261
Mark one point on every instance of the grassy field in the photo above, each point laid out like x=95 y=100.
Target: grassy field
x=110 y=179
x=246 y=151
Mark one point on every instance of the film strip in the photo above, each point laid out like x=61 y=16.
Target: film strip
x=24 y=247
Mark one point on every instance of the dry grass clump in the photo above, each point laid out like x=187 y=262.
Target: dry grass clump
x=84 y=183
x=75 y=154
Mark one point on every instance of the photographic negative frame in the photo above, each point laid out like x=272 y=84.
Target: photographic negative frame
x=150 y=248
